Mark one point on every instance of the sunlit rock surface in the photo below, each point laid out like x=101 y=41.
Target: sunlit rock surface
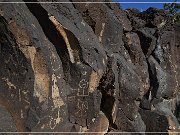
x=87 y=67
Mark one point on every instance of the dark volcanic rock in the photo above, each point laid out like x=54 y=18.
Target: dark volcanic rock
x=121 y=16
x=151 y=118
x=88 y=67
x=136 y=21
x=6 y=124
x=155 y=17
x=148 y=40
x=131 y=92
x=166 y=82
x=132 y=44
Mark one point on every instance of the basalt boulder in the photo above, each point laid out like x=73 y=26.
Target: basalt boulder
x=88 y=67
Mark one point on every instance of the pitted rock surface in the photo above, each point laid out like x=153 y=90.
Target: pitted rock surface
x=86 y=67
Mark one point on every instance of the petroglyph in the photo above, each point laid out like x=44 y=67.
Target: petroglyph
x=83 y=85
x=41 y=83
x=72 y=98
x=22 y=115
x=55 y=121
x=54 y=64
x=10 y=85
x=101 y=33
x=82 y=108
x=57 y=100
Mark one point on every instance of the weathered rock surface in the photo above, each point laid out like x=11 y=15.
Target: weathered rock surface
x=86 y=67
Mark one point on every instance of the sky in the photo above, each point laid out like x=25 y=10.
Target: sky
x=143 y=6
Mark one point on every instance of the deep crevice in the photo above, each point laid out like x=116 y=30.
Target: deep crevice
x=56 y=38
x=51 y=32
x=154 y=85
x=145 y=42
x=177 y=112
x=72 y=71
x=106 y=86
x=152 y=92
x=150 y=25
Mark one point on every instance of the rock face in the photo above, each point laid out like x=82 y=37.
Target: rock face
x=86 y=67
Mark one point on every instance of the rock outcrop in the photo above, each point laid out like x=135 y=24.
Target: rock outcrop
x=86 y=67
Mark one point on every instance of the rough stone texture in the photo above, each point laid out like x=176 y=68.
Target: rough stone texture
x=85 y=67
x=148 y=40
x=6 y=121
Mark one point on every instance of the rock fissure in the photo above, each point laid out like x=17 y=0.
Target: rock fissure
x=85 y=67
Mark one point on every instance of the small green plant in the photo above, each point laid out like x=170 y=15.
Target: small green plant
x=173 y=9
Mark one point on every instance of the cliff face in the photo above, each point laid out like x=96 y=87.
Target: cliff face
x=86 y=67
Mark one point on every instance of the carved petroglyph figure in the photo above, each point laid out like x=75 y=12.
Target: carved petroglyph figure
x=83 y=85
x=55 y=121
x=82 y=108
x=57 y=100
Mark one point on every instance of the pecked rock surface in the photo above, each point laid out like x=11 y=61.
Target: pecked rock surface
x=86 y=67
